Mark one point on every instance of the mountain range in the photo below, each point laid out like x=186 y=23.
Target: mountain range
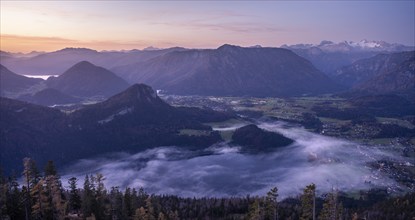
x=383 y=73
x=82 y=81
x=230 y=71
x=55 y=63
x=329 y=56
x=226 y=71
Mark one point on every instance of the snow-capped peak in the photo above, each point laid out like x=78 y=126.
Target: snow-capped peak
x=347 y=46
x=368 y=44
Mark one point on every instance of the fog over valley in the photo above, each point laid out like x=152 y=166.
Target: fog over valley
x=222 y=170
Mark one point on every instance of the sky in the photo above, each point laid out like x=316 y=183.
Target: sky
x=122 y=25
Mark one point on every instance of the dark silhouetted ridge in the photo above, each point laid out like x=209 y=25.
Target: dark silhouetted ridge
x=254 y=139
x=11 y=82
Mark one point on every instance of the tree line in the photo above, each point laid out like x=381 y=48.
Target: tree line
x=42 y=196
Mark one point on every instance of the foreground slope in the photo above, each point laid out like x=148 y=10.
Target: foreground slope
x=230 y=70
x=132 y=120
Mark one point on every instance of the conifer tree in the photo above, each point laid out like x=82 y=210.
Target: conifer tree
x=134 y=200
x=271 y=204
x=142 y=196
x=4 y=192
x=74 y=197
x=332 y=209
x=308 y=203
x=140 y=214
x=254 y=211
x=87 y=198
x=98 y=207
x=54 y=189
x=14 y=199
x=31 y=178
x=161 y=216
x=53 y=186
x=116 y=201
x=150 y=209
x=41 y=208
x=127 y=207
x=50 y=169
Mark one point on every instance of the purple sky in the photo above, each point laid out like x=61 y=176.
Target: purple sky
x=52 y=25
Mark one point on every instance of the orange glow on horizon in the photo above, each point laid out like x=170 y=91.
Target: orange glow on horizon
x=25 y=44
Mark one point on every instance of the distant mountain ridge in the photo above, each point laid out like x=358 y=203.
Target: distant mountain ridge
x=230 y=70
x=347 y=46
x=56 y=62
x=329 y=56
x=363 y=70
x=396 y=74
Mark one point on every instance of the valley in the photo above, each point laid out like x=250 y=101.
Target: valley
x=353 y=124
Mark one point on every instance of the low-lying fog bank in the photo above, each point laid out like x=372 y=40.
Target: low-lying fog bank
x=222 y=170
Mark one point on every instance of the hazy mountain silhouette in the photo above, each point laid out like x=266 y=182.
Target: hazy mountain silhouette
x=329 y=56
x=55 y=63
x=230 y=70
x=87 y=80
x=384 y=73
x=12 y=83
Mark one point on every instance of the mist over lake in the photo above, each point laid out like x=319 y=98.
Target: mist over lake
x=222 y=170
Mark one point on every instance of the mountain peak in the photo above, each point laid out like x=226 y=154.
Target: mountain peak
x=141 y=91
x=85 y=79
x=325 y=42
x=83 y=64
x=138 y=99
x=351 y=46
x=84 y=67
x=151 y=48
x=227 y=46
x=77 y=49
x=136 y=94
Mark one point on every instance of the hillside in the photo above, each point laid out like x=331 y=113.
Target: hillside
x=230 y=70
x=133 y=120
x=48 y=97
x=12 y=83
x=396 y=79
x=84 y=79
x=329 y=56
x=254 y=139
x=393 y=69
